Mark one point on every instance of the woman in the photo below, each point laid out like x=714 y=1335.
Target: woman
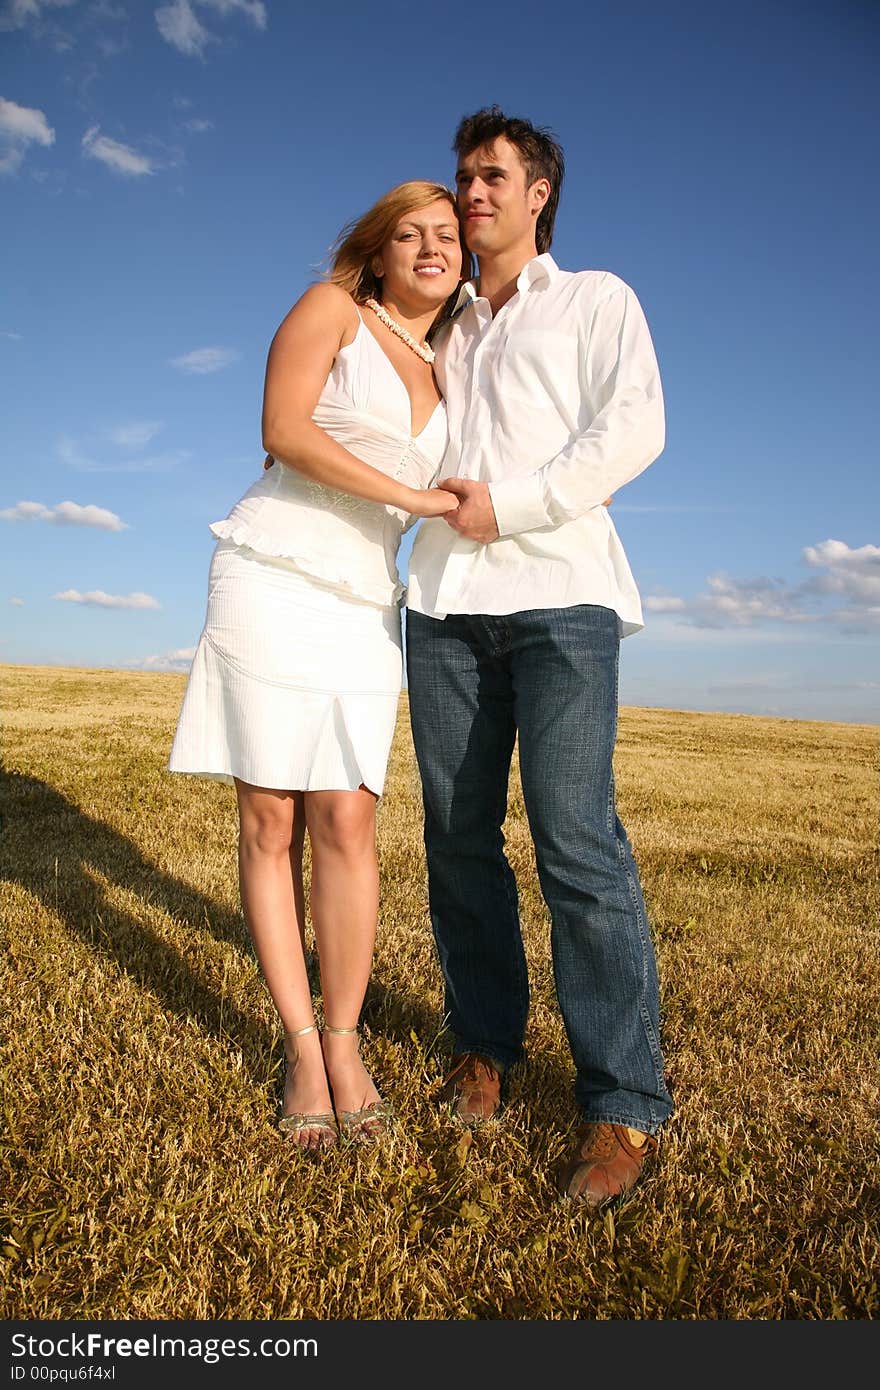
x=294 y=688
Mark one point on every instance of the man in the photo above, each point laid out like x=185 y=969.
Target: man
x=515 y=611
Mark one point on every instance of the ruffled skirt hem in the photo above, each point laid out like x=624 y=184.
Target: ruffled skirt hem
x=242 y=534
x=330 y=743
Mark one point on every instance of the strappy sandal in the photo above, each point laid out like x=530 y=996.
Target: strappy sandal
x=369 y=1124
x=297 y=1124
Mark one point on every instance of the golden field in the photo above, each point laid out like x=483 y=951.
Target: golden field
x=141 y=1173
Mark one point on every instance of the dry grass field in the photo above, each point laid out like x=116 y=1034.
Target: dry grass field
x=142 y=1176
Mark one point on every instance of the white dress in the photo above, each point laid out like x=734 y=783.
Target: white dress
x=296 y=677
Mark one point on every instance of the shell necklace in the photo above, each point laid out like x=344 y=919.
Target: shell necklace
x=420 y=349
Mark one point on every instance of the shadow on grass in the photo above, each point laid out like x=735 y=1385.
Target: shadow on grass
x=59 y=854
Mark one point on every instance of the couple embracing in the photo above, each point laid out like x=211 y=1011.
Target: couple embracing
x=502 y=410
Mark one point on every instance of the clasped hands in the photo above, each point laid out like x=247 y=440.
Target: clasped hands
x=475 y=516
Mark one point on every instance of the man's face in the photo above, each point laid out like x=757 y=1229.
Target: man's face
x=497 y=205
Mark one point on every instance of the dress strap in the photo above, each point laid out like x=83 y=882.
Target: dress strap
x=361 y=328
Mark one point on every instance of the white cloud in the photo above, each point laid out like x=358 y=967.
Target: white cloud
x=743 y=602
x=848 y=574
x=96 y=598
x=122 y=159
x=8 y=333
x=65 y=514
x=254 y=10
x=179 y=659
x=25 y=123
x=853 y=573
x=20 y=126
x=19 y=13
x=17 y=602
x=660 y=603
x=198 y=125
x=180 y=26
x=204 y=360
x=734 y=603
x=134 y=435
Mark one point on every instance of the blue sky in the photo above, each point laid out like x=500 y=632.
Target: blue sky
x=172 y=176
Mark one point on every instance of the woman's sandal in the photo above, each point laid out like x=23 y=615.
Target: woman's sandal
x=296 y=1125
x=369 y=1124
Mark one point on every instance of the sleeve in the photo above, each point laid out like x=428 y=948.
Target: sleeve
x=620 y=380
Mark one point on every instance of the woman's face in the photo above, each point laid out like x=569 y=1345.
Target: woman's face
x=420 y=263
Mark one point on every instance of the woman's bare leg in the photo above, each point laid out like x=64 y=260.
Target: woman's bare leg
x=270 y=847
x=344 y=904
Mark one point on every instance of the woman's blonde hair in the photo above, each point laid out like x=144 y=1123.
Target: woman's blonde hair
x=359 y=241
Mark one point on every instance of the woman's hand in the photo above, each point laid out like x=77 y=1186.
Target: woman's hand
x=431 y=501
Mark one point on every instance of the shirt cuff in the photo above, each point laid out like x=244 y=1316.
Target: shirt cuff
x=518 y=504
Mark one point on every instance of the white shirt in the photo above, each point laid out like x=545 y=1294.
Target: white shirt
x=555 y=402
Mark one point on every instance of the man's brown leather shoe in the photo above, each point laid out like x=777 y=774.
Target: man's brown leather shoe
x=605 y=1163
x=473 y=1088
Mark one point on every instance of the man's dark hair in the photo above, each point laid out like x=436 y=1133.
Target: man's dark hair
x=538 y=149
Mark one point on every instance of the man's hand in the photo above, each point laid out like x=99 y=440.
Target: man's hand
x=475 y=518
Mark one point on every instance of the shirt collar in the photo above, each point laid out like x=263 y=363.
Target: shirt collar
x=539 y=268
x=534 y=271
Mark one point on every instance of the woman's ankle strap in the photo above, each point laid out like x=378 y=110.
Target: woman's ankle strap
x=299 y=1032
x=328 y=1029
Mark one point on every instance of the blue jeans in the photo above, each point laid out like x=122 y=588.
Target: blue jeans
x=550 y=676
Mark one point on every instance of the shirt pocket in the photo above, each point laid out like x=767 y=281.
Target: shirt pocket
x=538 y=368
